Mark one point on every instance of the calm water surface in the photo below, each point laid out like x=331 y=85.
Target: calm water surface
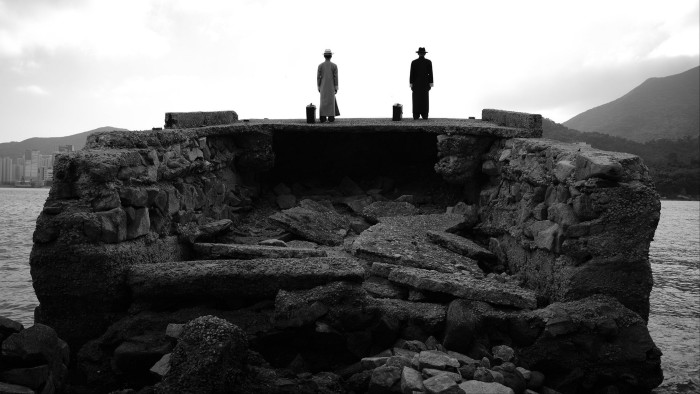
x=674 y=321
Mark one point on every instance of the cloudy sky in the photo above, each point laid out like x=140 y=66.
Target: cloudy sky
x=68 y=66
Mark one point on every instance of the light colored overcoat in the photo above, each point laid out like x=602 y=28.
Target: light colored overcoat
x=327 y=82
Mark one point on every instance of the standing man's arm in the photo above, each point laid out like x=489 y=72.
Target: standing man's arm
x=411 y=77
x=335 y=77
x=430 y=73
x=319 y=76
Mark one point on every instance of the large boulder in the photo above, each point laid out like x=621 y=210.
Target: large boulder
x=208 y=358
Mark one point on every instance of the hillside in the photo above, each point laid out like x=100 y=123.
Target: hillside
x=673 y=164
x=667 y=107
x=48 y=145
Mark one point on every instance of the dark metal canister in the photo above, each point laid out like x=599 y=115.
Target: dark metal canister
x=310 y=113
x=398 y=112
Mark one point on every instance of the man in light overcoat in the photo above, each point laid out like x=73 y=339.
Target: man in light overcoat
x=327 y=82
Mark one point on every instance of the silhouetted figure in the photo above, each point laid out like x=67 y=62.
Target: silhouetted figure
x=327 y=82
x=421 y=80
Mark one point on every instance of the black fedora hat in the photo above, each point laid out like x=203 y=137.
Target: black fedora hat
x=421 y=50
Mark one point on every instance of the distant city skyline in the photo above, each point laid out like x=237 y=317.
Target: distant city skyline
x=30 y=166
x=71 y=66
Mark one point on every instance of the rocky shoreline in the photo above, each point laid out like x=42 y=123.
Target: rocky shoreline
x=473 y=263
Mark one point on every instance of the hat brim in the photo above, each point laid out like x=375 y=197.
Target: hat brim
x=421 y=51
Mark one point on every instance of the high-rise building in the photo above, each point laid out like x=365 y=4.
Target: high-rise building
x=31 y=164
x=7 y=170
x=66 y=148
x=46 y=161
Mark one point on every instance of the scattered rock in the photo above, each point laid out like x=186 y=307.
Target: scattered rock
x=384 y=380
x=478 y=387
x=411 y=380
x=441 y=384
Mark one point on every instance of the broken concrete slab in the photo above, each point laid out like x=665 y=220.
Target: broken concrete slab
x=237 y=279
x=380 y=209
x=402 y=240
x=461 y=245
x=212 y=251
x=313 y=221
x=465 y=286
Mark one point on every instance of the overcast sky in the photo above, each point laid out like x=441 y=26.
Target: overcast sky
x=68 y=66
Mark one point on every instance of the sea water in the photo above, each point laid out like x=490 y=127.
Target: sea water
x=674 y=320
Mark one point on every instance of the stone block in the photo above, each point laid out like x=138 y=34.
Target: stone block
x=519 y=120
x=133 y=196
x=441 y=384
x=112 y=225
x=411 y=380
x=187 y=120
x=138 y=222
x=385 y=380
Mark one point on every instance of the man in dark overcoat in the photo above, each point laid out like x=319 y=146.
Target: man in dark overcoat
x=421 y=80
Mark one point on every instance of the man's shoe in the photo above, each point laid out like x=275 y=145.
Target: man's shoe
x=416 y=116
x=425 y=117
x=323 y=119
x=331 y=119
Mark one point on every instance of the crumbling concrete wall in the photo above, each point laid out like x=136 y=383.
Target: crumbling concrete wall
x=124 y=200
x=572 y=220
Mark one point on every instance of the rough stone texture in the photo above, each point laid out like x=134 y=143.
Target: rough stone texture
x=376 y=210
x=402 y=241
x=417 y=319
x=9 y=327
x=477 y=387
x=531 y=122
x=411 y=380
x=313 y=221
x=237 y=279
x=571 y=344
x=209 y=251
x=461 y=245
x=459 y=157
x=186 y=120
x=7 y=388
x=208 y=358
x=382 y=288
x=37 y=346
x=463 y=285
x=593 y=235
x=441 y=384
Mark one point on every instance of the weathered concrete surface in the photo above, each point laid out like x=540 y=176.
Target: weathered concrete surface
x=314 y=222
x=523 y=120
x=402 y=240
x=187 y=120
x=236 y=279
x=461 y=245
x=463 y=285
x=573 y=220
x=211 y=251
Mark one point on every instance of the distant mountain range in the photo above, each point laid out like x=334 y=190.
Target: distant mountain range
x=48 y=145
x=667 y=107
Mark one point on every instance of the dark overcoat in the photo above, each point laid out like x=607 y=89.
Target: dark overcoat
x=421 y=77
